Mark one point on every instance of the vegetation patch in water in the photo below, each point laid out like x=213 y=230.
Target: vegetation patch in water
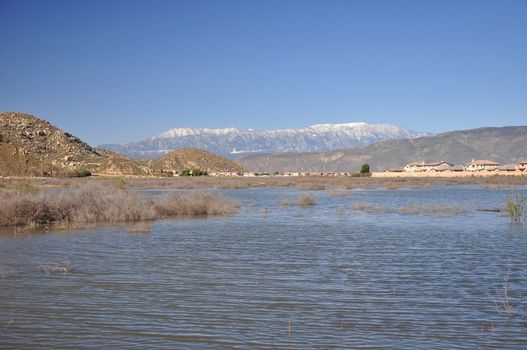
x=303 y=200
x=85 y=207
x=515 y=206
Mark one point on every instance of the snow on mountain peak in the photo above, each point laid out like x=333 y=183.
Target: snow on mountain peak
x=229 y=141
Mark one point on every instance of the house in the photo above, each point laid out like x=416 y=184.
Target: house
x=522 y=165
x=507 y=167
x=457 y=168
x=439 y=166
x=479 y=165
x=422 y=166
x=394 y=170
x=414 y=166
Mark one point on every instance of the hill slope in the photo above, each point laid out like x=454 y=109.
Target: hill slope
x=231 y=141
x=30 y=146
x=505 y=145
x=193 y=158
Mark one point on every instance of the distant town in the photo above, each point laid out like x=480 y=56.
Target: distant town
x=439 y=168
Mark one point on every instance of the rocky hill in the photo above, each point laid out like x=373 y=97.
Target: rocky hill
x=30 y=146
x=231 y=142
x=505 y=145
x=193 y=158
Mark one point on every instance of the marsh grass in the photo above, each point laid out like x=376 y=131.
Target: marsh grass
x=367 y=207
x=441 y=209
x=306 y=200
x=515 y=206
x=504 y=304
x=432 y=209
x=55 y=268
x=301 y=182
x=303 y=200
x=338 y=192
x=78 y=208
x=140 y=228
x=6 y=273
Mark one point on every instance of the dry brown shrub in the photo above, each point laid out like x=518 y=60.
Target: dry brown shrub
x=366 y=207
x=193 y=204
x=432 y=209
x=306 y=200
x=140 y=228
x=338 y=192
x=85 y=207
x=303 y=200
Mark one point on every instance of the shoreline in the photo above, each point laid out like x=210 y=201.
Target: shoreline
x=300 y=182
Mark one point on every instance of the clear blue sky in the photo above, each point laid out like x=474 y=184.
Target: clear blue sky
x=113 y=71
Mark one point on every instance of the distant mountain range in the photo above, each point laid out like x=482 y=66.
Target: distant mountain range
x=233 y=142
x=30 y=146
x=504 y=145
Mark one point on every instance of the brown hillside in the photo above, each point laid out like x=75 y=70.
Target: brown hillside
x=30 y=146
x=194 y=158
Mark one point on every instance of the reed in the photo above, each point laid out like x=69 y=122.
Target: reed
x=6 y=272
x=54 y=268
x=515 y=206
x=140 y=228
x=338 y=192
x=301 y=182
x=504 y=304
x=303 y=200
x=87 y=207
x=306 y=200
x=432 y=209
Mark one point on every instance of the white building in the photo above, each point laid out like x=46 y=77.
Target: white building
x=479 y=165
x=422 y=166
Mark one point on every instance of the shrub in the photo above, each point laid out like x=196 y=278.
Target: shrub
x=81 y=208
x=83 y=173
x=365 y=169
x=140 y=228
x=197 y=172
x=306 y=200
x=515 y=206
x=193 y=172
x=303 y=200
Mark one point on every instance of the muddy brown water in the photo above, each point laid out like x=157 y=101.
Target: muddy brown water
x=277 y=277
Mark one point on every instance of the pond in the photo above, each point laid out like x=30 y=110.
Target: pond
x=331 y=275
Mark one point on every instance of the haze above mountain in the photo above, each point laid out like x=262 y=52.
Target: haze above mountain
x=234 y=142
x=504 y=145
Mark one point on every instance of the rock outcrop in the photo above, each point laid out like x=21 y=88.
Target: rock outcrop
x=30 y=146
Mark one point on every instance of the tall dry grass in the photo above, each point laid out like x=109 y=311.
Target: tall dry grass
x=301 y=183
x=412 y=209
x=504 y=304
x=85 y=207
x=515 y=206
x=303 y=200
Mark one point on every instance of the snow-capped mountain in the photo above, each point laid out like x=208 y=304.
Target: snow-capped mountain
x=233 y=142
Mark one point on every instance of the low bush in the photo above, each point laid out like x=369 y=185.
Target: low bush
x=303 y=200
x=306 y=200
x=85 y=207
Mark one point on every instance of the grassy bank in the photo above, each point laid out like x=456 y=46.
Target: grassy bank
x=95 y=206
x=301 y=183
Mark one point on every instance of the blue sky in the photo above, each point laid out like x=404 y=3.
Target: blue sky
x=113 y=71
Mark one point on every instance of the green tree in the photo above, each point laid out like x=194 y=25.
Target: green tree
x=365 y=169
